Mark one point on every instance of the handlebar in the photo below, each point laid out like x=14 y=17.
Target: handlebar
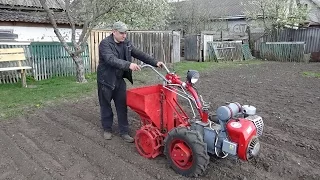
x=147 y=65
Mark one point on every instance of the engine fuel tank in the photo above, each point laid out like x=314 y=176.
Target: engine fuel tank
x=229 y=111
x=241 y=131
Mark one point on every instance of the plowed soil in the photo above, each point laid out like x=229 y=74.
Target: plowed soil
x=64 y=141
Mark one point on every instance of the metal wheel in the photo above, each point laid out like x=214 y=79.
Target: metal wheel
x=148 y=141
x=186 y=152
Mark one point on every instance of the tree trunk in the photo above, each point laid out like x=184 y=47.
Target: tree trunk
x=80 y=69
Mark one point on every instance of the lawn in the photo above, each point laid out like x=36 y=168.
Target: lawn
x=14 y=100
x=311 y=74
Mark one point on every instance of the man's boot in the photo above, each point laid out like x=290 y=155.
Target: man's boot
x=107 y=135
x=127 y=138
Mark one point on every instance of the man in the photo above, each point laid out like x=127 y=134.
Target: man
x=115 y=63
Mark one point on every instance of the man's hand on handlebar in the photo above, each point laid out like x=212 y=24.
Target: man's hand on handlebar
x=134 y=67
x=160 y=64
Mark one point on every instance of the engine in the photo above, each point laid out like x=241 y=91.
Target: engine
x=233 y=131
x=243 y=134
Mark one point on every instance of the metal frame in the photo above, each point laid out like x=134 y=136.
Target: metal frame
x=182 y=93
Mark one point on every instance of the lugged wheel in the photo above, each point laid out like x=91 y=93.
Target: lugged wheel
x=148 y=141
x=186 y=152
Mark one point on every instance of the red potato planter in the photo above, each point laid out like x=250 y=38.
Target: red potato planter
x=187 y=141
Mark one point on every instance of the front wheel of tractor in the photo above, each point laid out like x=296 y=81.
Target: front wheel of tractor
x=186 y=152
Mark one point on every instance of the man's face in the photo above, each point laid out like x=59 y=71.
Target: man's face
x=119 y=36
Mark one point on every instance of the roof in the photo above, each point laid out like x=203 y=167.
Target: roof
x=213 y=8
x=34 y=17
x=31 y=11
x=54 y=4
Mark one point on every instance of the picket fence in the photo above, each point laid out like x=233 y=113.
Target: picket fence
x=50 y=59
x=283 y=51
x=47 y=59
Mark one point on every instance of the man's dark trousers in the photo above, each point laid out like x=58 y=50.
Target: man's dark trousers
x=118 y=95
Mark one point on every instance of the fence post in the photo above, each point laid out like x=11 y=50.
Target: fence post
x=175 y=47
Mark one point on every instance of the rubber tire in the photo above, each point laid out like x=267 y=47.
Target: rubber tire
x=199 y=149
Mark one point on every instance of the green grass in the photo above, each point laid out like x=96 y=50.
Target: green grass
x=15 y=100
x=311 y=74
x=182 y=67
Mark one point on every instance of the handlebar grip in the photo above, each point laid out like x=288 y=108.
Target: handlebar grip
x=147 y=65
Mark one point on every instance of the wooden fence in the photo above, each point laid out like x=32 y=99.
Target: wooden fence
x=310 y=37
x=94 y=39
x=226 y=51
x=191 y=47
x=162 y=45
x=222 y=45
x=51 y=59
x=283 y=51
x=47 y=59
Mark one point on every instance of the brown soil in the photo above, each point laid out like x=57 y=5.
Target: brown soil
x=64 y=141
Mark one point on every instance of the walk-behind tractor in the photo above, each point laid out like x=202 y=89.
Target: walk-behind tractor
x=188 y=140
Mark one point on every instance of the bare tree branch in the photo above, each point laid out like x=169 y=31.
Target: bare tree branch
x=277 y=14
x=71 y=21
x=55 y=26
x=88 y=25
x=262 y=5
x=84 y=31
x=89 y=13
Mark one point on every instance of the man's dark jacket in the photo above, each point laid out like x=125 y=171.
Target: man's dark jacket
x=110 y=65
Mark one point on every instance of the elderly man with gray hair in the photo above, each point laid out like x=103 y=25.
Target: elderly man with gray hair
x=115 y=64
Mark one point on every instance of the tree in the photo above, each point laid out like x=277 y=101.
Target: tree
x=143 y=14
x=197 y=15
x=191 y=15
x=87 y=16
x=91 y=13
x=276 y=14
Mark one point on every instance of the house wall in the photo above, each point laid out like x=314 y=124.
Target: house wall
x=237 y=26
x=37 y=32
x=314 y=11
x=233 y=26
x=220 y=25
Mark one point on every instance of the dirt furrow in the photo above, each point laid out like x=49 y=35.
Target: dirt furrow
x=23 y=162
x=94 y=153
x=117 y=147
x=8 y=170
x=223 y=166
x=286 y=164
x=305 y=148
x=65 y=141
x=55 y=157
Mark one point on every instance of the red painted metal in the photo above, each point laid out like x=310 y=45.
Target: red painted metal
x=146 y=102
x=203 y=114
x=160 y=112
x=176 y=80
x=241 y=131
x=181 y=154
x=148 y=141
